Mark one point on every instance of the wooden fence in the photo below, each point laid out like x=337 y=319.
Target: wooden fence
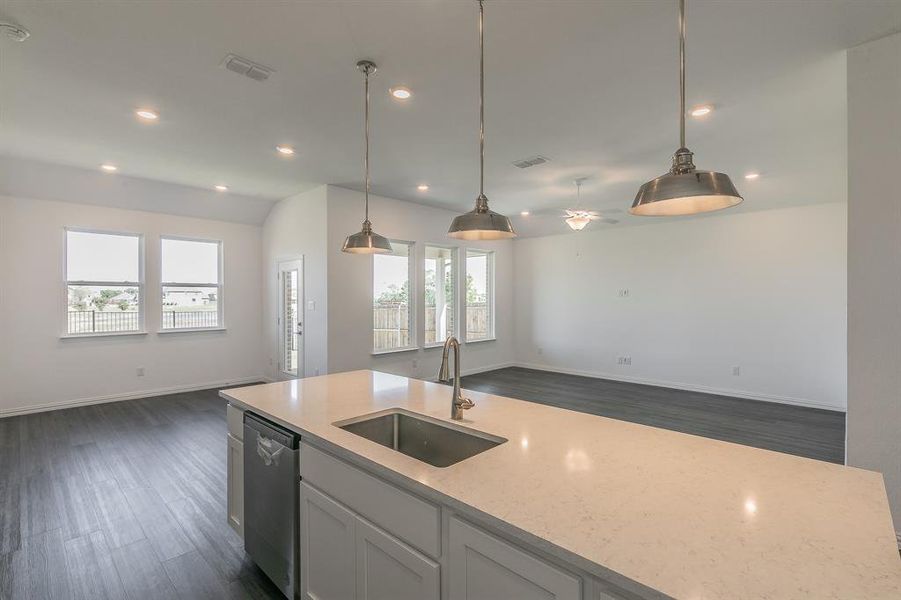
x=390 y=325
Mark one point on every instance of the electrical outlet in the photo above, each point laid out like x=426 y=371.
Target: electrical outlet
x=139 y=371
x=736 y=371
x=624 y=360
x=628 y=360
x=623 y=293
x=311 y=305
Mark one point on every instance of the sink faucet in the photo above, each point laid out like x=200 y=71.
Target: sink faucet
x=459 y=403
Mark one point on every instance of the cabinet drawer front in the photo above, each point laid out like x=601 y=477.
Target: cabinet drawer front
x=483 y=567
x=235 y=418
x=406 y=516
x=388 y=568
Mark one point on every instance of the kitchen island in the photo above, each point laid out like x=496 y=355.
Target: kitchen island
x=570 y=506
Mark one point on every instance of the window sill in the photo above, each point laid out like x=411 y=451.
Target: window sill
x=435 y=345
x=489 y=339
x=190 y=329
x=393 y=351
x=78 y=336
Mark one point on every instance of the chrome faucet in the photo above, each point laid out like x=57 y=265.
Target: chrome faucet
x=459 y=403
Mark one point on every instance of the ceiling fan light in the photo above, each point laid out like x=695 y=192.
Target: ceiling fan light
x=578 y=222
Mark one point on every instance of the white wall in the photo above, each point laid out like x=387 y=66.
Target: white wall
x=41 y=370
x=874 y=262
x=764 y=291
x=296 y=227
x=350 y=287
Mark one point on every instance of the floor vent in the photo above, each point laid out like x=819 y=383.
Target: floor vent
x=248 y=68
x=530 y=162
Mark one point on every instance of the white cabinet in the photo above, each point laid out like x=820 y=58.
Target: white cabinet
x=235 y=492
x=327 y=547
x=484 y=567
x=388 y=569
x=343 y=557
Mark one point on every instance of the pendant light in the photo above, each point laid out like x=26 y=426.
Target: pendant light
x=481 y=223
x=366 y=241
x=684 y=190
x=578 y=219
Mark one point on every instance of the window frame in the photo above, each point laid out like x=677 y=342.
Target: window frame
x=413 y=295
x=220 y=286
x=490 y=293
x=455 y=301
x=142 y=301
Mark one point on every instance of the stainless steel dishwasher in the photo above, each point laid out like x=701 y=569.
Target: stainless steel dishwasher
x=271 y=489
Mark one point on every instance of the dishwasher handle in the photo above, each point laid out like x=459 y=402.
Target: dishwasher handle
x=265 y=450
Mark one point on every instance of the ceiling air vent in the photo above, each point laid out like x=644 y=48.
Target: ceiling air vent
x=248 y=68
x=530 y=162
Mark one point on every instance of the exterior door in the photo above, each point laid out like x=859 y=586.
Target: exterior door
x=290 y=319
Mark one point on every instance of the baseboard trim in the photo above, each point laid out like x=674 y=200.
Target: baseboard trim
x=25 y=410
x=486 y=368
x=684 y=386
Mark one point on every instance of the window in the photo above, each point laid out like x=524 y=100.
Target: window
x=191 y=284
x=479 y=295
x=440 y=294
x=392 y=314
x=104 y=283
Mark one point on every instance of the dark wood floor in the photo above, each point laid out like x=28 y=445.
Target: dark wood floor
x=123 y=501
x=809 y=432
x=127 y=500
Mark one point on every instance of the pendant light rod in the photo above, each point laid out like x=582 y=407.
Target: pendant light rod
x=481 y=99
x=681 y=73
x=367 y=68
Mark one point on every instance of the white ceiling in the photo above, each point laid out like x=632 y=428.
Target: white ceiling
x=590 y=84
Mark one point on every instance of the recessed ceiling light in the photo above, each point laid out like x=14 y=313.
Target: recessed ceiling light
x=401 y=93
x=701 y=111
x=752 y=175
x=146 y=114
x=422 y=187
x=285 y=150
x=525 y=213
x=109 y=168
x=221 y=188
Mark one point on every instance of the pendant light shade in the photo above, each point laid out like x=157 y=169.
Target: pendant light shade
x=366 y=241
x=481 y=223
x=684 y=190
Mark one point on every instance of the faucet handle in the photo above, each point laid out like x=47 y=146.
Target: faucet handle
x=465 y=403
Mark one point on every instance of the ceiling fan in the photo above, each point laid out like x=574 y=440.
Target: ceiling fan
x=578 y=218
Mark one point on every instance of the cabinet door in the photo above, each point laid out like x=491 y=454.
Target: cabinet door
x=326 y=547
x=235 y=494
x=483 y=567
x=388 y=569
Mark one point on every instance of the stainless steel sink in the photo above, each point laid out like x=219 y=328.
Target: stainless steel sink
x=424 y=438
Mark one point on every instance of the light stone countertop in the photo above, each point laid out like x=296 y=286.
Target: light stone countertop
x=687 y=516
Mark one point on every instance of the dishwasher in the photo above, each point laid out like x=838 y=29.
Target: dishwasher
x=271 y=490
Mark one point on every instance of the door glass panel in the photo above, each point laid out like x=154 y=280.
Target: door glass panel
x=290 y=321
